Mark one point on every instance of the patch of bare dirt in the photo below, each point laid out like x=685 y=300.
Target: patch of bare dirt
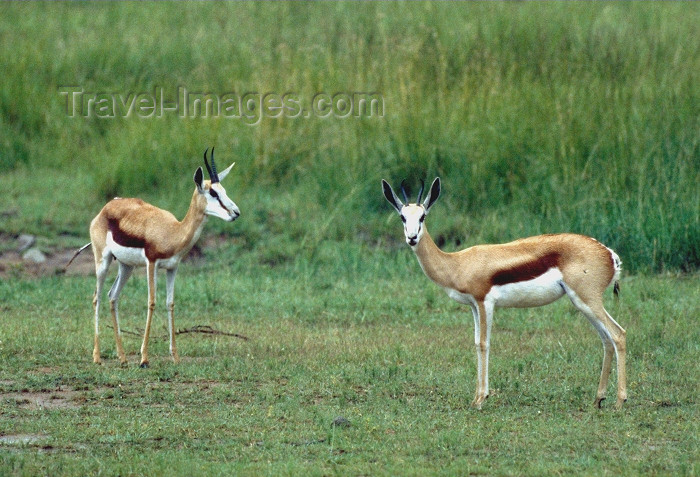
x=12 y=263
x=46 y=370
x=21 y=439
x=58 y=399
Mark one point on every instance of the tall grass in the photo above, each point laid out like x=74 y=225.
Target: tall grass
x=538 y=117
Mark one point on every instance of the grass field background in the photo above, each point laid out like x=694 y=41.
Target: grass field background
x=538 y=117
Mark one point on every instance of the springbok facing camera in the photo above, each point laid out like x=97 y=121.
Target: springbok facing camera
x=526 y=273
x=136 y=233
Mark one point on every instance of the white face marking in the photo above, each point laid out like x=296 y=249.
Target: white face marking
x=412 y=216
x=219 y=205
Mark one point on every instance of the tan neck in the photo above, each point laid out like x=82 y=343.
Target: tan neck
x=436 y=264
x=191 y=226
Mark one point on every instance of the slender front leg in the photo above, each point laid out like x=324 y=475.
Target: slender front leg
x=96 y=341
x=170 y=302
x=477 y=334
x=483 y=314
x=151 y=277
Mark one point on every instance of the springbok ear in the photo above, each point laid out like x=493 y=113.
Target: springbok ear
x=432 y=195
x=225 y=172
x=198 y=179
x=391 y=196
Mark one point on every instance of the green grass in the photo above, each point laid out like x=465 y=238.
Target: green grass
x=369 y=339
x=539 y=118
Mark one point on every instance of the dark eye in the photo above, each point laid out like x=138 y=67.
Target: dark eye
x=422 y=218
x=403 y=219
x=213 y=193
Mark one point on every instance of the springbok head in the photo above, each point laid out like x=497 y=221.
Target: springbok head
x=218 y=203
x=412 y=215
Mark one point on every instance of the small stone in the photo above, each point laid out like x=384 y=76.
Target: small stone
x=34 y=255
x=340 y=421
x=24 y=242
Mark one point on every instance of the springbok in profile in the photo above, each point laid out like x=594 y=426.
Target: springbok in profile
x=136 y=233
x=526 y=273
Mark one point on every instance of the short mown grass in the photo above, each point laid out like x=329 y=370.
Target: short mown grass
x=368 y=339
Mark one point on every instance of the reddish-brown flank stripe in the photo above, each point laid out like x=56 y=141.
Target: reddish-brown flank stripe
x=526 y=271
x=124 y=238
x=127 y=240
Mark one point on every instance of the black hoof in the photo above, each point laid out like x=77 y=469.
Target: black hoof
x=144 y=365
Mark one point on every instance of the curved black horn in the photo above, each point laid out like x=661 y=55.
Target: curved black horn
x=211 y=169
x=420 y=194
x=215 y=178
x=207 y=163
x=403 y=191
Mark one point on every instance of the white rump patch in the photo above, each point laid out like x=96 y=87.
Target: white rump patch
x=617 y=265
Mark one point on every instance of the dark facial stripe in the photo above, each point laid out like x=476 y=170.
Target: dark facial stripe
x=526 y=271
x=216 y=196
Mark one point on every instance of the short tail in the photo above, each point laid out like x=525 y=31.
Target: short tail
x=617 y=266
x=77 y=253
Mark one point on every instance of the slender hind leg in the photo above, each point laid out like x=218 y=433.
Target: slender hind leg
x=114 y=292
x=170 y=303
x=613 y=337
x=608 y=351
x=616 y=342
x=619 y=337
x=101 y=268
x=151 y=277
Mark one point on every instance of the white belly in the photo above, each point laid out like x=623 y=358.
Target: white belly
x=136 y=257
x=463 y=298
x=169 y=263
x=539 y=291
x=131 y=256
